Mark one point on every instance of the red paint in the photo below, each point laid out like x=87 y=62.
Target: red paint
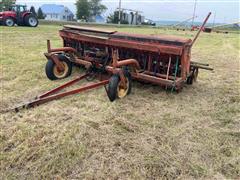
x=17 y=16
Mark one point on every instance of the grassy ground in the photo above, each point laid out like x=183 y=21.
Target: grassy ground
x=150 y=134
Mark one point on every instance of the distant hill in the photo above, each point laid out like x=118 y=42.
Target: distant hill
x=188 y=24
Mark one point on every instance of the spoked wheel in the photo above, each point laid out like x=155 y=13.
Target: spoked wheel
x=54 y=73
x=116 y=88
x=9 y=22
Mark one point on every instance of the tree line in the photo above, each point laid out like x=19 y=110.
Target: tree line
x=5 y=4
x=86 y=10
x=39 y=14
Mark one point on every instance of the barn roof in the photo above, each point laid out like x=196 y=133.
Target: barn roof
x=52 y=9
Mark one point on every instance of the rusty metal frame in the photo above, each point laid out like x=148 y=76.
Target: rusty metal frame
x=151 y=47
x=183 y=52
x=201 y=28
x=116 y=68
x=178 y=53
x=63 y=49
x=54 y=93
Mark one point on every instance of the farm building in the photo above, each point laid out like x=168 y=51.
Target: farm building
x=133 y=18
x=56 y=12
x=128 y=16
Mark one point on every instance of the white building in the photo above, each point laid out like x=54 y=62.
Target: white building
x=56 y=12
x=133 y=17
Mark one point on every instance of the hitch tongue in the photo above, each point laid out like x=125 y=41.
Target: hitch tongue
x=55 y=94
x=17 y=108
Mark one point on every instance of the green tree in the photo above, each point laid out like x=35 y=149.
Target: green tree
x=5 y=4
x=33 y=11
x=40 y=14
x=83 y=9
x=96 y=7
x=89 y=8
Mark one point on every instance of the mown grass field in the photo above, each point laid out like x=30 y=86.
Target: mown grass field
x=150 y=134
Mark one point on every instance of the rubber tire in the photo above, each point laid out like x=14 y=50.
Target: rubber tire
x=50 y=65
x=5 y=22
x=26 y=20
x=113 y=85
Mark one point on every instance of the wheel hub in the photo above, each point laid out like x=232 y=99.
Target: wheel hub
x=121 y=90
x=9 y=22
x=58 y=73
x=32 y=21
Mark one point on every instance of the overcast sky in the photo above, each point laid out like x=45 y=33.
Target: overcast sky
x=226 y=11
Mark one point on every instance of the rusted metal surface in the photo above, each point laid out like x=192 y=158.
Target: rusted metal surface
x=154 y=57
x=63 y=49
x=54 y=58
x=120 y=43
x=158 y=59
x=156 y=39
x=169 y=64
x=201 y=28
x=202 y=67
x=156 y=80
x=57 y=89
x=61 y=95
x=129 y=62
x=89 y=29
x=54 y=93
x=85 y=63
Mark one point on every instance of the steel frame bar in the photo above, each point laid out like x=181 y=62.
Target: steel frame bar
x=163 y=76
x=72 y=92
x=156 y=80
x=201 y=28
x=63 y=49
x=169 y=63
x=62 y=86
x=50 y=95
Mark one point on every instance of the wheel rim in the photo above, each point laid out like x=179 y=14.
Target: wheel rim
x=61 y=74
x=32 y=21
x=9 y=22
x=122 y=92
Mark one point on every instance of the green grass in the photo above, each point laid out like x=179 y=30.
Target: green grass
x=150 y=134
